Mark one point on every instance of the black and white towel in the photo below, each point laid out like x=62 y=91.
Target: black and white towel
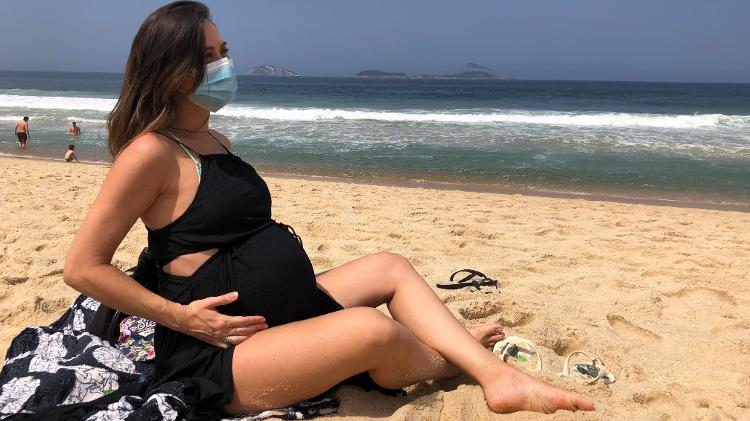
x=62 y=366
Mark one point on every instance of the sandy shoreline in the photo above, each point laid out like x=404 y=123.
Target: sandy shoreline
x=660 y=293
x=680 y=200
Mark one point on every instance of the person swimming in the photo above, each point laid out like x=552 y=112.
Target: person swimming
x=74 y=130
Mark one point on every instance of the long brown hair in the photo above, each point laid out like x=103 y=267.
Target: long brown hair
x=169 y=45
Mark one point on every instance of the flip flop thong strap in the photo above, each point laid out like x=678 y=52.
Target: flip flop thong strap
x=596 y=362
x=512 y=341
x=471 y=274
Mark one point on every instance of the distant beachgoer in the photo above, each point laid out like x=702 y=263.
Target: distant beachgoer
x=22 y=132
x=74 y=130
x=70 y=155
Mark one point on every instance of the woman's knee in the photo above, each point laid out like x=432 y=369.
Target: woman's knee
x=372 y=327
x=395 y=263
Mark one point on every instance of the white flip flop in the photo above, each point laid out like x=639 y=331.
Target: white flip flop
x=592 y=372
x=515 y=345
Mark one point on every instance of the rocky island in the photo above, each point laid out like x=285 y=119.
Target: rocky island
x=468 y=71
x=380 y=73
x=270 y=70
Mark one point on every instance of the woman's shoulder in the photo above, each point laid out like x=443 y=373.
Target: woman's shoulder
x=150 y=145
x=149 y=151
x=223 y=139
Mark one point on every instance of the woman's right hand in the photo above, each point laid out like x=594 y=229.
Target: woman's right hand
x=201 y=320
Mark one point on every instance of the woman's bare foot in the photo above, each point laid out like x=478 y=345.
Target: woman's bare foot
x=512 y=390
x=488 y=334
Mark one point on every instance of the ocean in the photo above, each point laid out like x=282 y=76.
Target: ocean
x=666 y=141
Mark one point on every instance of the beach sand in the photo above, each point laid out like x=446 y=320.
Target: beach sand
x=660 y=294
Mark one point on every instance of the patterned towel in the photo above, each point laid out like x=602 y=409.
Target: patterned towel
x=136 y=339
x=62 y=364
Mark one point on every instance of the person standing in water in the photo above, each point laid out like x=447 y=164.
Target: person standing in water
x=74 y=130
x=22 y=132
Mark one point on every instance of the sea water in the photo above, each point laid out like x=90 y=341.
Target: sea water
x=658 y=140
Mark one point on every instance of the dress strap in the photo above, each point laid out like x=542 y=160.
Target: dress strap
x=187 y=149
x=219 y=142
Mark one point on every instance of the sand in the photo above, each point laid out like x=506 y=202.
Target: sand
x=661 y=294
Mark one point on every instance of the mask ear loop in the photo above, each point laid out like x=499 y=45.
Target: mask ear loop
x=190 y=75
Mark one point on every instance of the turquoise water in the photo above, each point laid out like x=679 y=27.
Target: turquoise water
x=649 y=139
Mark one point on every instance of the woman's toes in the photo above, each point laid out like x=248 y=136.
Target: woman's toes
x=488 y=334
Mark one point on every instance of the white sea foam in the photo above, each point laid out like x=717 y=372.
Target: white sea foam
x=512 y=117
x=85 y=120
x=57 y=102
x=504 y=117
x=42 y=117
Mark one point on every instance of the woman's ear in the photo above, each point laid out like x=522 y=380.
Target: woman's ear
x=185 y=84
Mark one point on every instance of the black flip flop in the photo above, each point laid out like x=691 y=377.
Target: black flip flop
x=474 y=278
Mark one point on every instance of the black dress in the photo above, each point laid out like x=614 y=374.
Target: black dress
x=259 y=258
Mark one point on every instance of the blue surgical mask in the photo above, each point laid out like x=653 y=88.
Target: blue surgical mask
x=218 y=88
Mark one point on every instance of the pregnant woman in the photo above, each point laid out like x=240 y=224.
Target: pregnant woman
x=238 y=304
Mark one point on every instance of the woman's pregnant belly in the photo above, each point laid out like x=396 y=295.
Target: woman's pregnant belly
x=274 y=278
x=270 y=271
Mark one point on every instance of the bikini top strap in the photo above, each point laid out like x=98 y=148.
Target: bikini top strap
x=187 y=149
x=219 y=142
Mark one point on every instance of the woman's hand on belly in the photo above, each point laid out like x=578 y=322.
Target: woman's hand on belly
x=201 y=320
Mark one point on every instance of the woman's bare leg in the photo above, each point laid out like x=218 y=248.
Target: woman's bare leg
x=297 y=361
x=389 y=278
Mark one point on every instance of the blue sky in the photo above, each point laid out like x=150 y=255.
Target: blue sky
x=660 y=40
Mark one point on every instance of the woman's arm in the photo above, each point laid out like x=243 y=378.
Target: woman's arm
x=137 y=178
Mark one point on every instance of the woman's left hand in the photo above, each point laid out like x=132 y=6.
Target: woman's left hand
x=202 y=321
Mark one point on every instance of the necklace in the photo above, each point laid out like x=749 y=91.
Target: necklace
x=188 y=130
x=193 y=131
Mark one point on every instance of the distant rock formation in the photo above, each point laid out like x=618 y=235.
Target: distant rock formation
x=473 y=67
x=468 y=71
x=475 y=74
x=270 y=70
x=380 y=73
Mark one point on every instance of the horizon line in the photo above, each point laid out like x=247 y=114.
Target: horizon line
x=514 y=79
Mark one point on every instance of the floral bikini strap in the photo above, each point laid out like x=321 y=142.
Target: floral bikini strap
x=187 y=149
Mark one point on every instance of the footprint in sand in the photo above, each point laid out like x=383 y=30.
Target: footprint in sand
x=698 y=293
x=629 y=330
x=518 y=318
x=480 y=309
x=697 y=303
x=508 y=317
